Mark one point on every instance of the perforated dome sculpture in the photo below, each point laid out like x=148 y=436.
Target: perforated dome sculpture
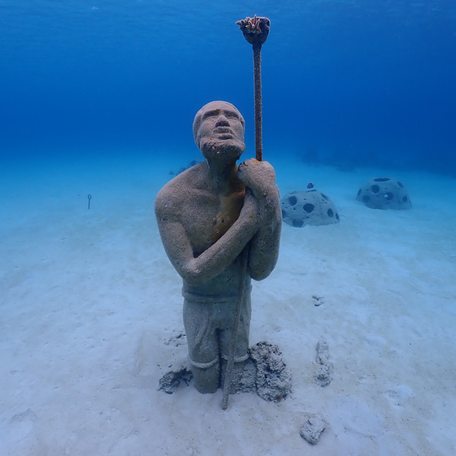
x=310 y=207
x=384 y=193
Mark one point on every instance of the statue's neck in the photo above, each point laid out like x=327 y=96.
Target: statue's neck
x=222 y=176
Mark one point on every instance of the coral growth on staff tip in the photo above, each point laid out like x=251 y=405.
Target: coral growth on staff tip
x=255 y=29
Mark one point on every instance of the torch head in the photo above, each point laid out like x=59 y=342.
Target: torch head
x=255 y=29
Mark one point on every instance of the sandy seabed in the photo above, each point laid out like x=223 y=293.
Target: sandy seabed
x=90 y=308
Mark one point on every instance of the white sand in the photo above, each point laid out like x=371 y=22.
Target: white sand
x=88 y=301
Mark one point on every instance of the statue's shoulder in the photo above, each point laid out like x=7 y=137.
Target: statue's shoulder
x=179 y=190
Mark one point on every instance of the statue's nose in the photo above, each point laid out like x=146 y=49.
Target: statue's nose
x=222 y=121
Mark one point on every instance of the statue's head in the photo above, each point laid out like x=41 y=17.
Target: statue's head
x=218 y=129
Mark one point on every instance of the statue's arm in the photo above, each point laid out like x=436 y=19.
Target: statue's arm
x=259 y=177
x=218 y=256
x=264 y=247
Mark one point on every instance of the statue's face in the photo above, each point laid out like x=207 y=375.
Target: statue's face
x=219 y=130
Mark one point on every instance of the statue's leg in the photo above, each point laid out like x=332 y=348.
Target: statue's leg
x=241 y=356
x=206 y=376
x=203 y=347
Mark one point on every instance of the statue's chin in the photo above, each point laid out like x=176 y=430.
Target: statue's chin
x=222 y=148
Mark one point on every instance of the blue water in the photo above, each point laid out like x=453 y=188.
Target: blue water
x=346 y=83
x=97 y=99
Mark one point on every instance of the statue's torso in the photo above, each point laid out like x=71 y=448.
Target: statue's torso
x=206 y=217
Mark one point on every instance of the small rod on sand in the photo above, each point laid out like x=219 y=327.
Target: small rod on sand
x=255 y=30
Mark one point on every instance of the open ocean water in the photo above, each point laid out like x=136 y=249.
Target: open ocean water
x=97 y=99
x=348 y=83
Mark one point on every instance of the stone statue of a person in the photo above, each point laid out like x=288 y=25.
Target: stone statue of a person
x=207 y=216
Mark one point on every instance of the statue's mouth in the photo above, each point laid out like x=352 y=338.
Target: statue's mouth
x=223 y=130
x=225 y=136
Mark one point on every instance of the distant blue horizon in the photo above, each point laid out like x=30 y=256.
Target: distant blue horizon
x=345 y=83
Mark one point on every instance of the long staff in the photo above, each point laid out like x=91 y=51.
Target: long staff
x=255 y=30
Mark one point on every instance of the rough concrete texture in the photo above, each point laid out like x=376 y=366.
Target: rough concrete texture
x=264 y=372
x=172 y=380
x=244 y=375
x=310 y=207
x=313 y=427
x=220 y=226
x=273 y=380
x=324 y=367
x=384 y=193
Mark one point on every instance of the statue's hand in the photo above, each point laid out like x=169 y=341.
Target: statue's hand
x=258 y=176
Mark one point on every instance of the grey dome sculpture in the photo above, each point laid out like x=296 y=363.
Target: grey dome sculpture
x=384 y=193
x=310 y=207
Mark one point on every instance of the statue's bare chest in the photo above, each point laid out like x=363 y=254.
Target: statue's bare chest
x=209 y=217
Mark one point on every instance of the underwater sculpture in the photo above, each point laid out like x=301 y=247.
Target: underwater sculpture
x=384 y=193
x=220 y=226
x=310 y=207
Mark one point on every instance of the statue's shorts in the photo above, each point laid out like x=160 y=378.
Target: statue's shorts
x=209 y=324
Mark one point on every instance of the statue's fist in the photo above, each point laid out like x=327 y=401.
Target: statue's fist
x=259 y=176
